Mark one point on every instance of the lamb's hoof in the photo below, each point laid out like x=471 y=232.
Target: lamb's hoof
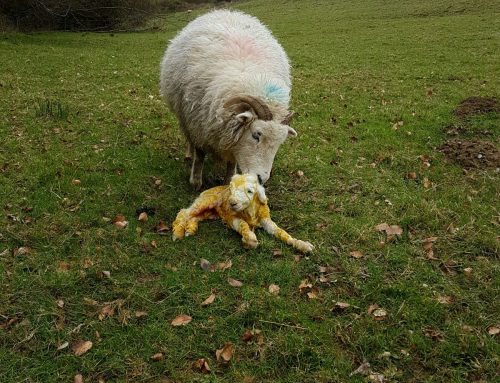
x=251 y=243
x=304 y=247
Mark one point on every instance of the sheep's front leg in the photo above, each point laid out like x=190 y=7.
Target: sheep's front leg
x=230 y=171
x=197 y=169
x=249 y=238
x=272 y=228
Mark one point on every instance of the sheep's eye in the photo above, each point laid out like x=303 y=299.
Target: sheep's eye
x=256 y=136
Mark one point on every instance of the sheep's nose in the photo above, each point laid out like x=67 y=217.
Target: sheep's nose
x=259 y=177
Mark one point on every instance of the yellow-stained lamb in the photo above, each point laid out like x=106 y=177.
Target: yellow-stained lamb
x=242 y=205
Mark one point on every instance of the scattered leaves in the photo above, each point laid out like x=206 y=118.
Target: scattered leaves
x=80 y=347
x=234 y=282
x=181 y=320
x=274 y=289
x=225 y=354
x=209 y=300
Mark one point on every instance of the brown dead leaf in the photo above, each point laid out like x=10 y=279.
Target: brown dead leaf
x=356 y=254
x=80 y=347
x=468 y=271
x=277 y=252
x=63 y=266
x=372 y=308
x=181 y=320
x=389 y=229
x=156 y=357
x=205 y=265
x=426 y=183
x=78 y=378
x=140 y=314
x=76 y=182
x=106 y=273
x=201 y=365
x=247 y=336
x=209 y=300
x=274 y=289
x=305 y=286
x=87 y=262
x=340 y=307
x=162 y=228
x=23 y=250
x=433 y=334
x=428 y=245
x=143 y=217
x=411 y=176
x=222 y=266
x=60 y=303
x=253 y=335
x=445 y=299
x=62 y=346
x=120 y=221
x=313 y=293
x=225 y=354
x=493 y=330
x=106 y=311
x=379 y=314
x=363 y=369
x=234 y=282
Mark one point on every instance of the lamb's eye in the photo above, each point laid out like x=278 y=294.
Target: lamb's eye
x=256 y=136
x=250 y=191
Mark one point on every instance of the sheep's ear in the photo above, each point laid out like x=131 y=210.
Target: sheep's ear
x=261 y=193
x=292 y=132
x=245 y=117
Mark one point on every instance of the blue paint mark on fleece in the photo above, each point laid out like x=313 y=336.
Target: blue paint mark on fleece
x=275 y=92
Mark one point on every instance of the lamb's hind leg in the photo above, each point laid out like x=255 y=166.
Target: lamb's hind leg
x=197 y=169
x=278 y=232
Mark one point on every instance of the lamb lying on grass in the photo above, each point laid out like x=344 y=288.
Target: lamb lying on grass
x=242 y=205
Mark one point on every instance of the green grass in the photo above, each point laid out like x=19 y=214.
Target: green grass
x=358 y=67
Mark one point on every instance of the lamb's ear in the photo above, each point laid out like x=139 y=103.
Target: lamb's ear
x=261 y=193
x=292 y=132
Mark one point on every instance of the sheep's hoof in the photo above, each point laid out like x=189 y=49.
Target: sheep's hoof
x=196 y=183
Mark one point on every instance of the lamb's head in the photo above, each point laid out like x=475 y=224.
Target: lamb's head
x=245 y=190
x=256 y=136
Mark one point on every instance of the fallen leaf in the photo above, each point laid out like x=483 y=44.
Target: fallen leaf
x=379 y=314
x=76 y=182
x=87 y=262
x=356 y=254
x=106 y=273
x=23 y=250
x=202 y=365
x=60 y=303
x=247 y=336
x=363 y=369
x=120 y=221
x=106 y=311
x=209 y=300
x=372 y=308
x=493 y=330
x=63 y=266
x=162 y=228
x=78 y=378
x=181 y=320
x=300 y=173
x=81 y=347
x=222 y=266
x=143 y=217
x=253 y=335
x=468 y=271
x=205 y=265
x=225 y=354
x=277 y=252
x=62 y=346
x=428 y=245
x=445 y=299
x=433 y=334
x=274 y=289
x=427 y=184
x=389 y=229
x=156 y=357
x=313 y=294
x=411 y=175
x=140 y=314
x=340 y=307
x=234 y=282
x=376 y=378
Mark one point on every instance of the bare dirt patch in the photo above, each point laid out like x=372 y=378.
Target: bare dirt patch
x=477 y=105
x=472 y=154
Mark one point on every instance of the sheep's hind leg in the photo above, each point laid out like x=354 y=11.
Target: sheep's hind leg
x=188 y=157
x=278 y=232
x=197 y=169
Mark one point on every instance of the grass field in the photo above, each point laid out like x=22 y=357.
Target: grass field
x=85 y=137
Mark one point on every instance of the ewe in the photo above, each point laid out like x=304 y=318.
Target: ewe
x=227 y=80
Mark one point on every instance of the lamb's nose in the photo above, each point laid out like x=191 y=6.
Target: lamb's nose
x=233 y=204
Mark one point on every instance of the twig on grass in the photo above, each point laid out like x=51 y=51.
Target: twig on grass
x=283 y=324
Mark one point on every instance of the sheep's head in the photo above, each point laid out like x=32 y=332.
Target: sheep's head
x=256 y=136
x=245 y=190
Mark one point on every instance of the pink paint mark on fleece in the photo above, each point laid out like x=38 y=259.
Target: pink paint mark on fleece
x=243 y=47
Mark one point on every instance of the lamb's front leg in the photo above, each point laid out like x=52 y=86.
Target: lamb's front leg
x=249 y=238
x=272 y=228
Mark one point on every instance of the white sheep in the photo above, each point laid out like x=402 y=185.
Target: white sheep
x=227 y=80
